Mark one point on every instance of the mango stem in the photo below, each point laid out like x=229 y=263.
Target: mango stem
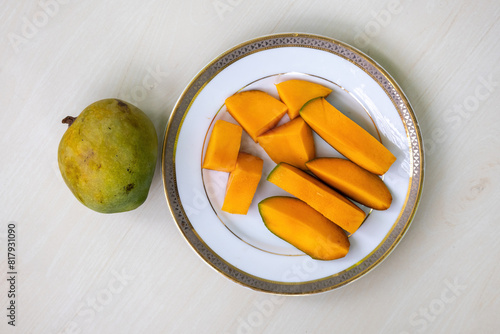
x=68 y=120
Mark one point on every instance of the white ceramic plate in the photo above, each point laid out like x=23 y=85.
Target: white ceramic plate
x=240 y=246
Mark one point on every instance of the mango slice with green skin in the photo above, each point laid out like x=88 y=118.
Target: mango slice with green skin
x=347 y=137
x=291 y=142
x=318 y=195
x=353 y=181
x=305 y=228
x=256 y=111
x=295 y=93
x=107 y=156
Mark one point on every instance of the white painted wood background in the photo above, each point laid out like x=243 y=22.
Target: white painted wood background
x=84 y=272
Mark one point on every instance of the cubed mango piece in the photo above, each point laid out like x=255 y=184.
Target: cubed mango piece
x=295 y=93
x=291 y=142
x=223 y=147
x=242 y=184
x=256 y=111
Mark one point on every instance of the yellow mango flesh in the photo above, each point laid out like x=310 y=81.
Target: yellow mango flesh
x=353 y=181
x=256 y=111
x=223 y=147
x=295 y=93
x=347 y=137
x=321 y=197
x=242 y=184
x=291 y=142
x=107 y=156
x=305 y=228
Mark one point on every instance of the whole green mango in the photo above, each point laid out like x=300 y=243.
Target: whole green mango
x=107 y=156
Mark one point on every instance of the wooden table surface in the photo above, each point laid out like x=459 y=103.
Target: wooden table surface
x=79 y=271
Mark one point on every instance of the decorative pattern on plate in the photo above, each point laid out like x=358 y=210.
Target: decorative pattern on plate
x=380 y=76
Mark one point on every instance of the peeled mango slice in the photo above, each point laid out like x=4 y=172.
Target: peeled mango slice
x=353 y=181
x=107 y=156
x=347 y=137
x=318 y=195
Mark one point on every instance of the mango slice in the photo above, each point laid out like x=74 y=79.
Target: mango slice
x=324 y=199
x=353 y=181
x=223 y=147
x=347 y=137
x=242 y=184
x=305 y=228
x=291 y=142
x=256 y=111
x=295 y=93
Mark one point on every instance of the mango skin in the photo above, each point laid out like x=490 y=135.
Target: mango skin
x=107 y=156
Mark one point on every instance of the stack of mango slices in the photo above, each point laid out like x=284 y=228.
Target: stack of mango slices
x=318 y=219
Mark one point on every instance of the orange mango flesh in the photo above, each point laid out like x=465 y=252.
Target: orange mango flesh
x=353 y=181
x=295 y=93
x=223 y=147
x=256 y=111
x=242 y=184
x=318 y=195
x=291 y=142
x=305 y=228
x=347 y=137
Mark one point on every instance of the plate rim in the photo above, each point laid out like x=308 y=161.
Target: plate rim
x=230 y=271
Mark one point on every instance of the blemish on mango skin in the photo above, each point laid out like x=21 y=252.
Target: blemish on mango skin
x=100 y=198
x=129 y=187
x=134 y=123
x=89 y=156
x=124 y=107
